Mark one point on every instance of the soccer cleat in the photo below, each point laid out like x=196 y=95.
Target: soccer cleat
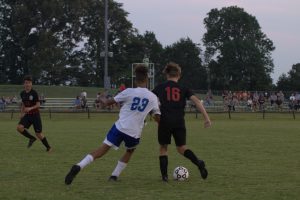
x=113 y=178
x=31 y=141
x=164 y=178
x=202 y=169
x=71 y=175
x=49 y=150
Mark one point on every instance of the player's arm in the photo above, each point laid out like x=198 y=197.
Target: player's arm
x=156 y=117
x=22 y=112
x=200 y=107
x=107 y=102
x=36 y=106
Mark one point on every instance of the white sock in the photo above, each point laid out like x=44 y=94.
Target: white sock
x=87 y=160
x=119 y=168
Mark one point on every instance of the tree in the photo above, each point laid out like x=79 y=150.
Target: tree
x=238 y=48
x=49 y=38
x=187 y=55
x=137 y=47
x=120 y=30
x=290 y=82
x=38 y=40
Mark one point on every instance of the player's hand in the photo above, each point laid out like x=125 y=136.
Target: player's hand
x=207 y=124
x=22 y=115
x=27 y=109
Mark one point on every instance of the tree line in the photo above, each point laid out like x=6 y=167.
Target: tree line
x=60 y=42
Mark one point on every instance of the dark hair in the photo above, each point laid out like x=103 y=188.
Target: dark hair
x=172 y=69
x=141 y=73
x=27 y=78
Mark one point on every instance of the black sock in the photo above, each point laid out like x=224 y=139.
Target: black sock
x=190 y=155
x=27 y=134
x=45 y=143
x=163 y=162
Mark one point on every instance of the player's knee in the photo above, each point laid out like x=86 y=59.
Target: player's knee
x=130 y=150
x=181 y=149
x=39 y=135
x=20 y=128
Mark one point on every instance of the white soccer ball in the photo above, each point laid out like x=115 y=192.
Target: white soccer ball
x=180 y=173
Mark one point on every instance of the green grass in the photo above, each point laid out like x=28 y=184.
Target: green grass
x=50 y=91
x=247 y=158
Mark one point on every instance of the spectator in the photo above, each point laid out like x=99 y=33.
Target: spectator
x=77 y=103
x=250 y=104
x=273 y=98
x=255 y=101
x=42 y=99
x=209 y=99
x=83 y=102
x=280 y=99
x=292 y=102
x=83 y=94
x=261 y=101
x=2 y=104
x=297 y=99
x=14 y=100
x=122 y=87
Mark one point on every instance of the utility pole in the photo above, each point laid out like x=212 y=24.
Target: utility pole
x=106 y=79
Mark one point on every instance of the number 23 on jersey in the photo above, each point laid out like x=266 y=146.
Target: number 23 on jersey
x=139 y=104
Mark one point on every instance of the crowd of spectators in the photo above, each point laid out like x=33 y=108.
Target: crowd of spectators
x=80 y=101
x=4 y=101
x=258 y=100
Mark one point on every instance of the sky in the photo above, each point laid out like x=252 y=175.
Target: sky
x=171 y=20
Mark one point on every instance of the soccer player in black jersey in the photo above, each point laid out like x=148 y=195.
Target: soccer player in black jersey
x=30 y=114
x=172 y=97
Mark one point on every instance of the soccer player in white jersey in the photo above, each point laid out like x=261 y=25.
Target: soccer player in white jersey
x=137 y=103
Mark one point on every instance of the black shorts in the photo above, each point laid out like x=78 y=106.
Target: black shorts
x=166 y=132
x=32 y=119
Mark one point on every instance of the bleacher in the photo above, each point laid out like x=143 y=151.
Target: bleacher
x=66 y=105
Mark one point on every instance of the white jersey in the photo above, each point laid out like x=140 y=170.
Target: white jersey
x=136 y=104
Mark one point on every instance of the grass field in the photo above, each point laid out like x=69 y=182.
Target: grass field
x=247 y=158
x=50 y=91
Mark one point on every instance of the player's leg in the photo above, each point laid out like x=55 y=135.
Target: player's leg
x=112 y=139
x=22 y=127
x=180 y=141
x=88 y=159
x=164 y=138
x=121 y=165
x=37 y=126
x=130 y=144
x=163 y=161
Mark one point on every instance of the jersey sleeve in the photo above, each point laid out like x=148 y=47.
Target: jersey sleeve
x=155 y=110
x=155 y=91
x=122 y=96
x=188 y=93
x=35 y=97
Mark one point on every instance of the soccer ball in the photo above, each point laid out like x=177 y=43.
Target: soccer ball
x=180 y=173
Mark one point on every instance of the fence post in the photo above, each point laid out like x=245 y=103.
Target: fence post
x=294 y=114
x=229 y=113
x=50 y=113
x=12 y=114
x=264 y=113
x=88 y=109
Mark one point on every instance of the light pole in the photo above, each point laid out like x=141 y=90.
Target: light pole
x=106 y=79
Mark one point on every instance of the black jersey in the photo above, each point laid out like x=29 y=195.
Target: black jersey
x=30 y=99
x=172 y=97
